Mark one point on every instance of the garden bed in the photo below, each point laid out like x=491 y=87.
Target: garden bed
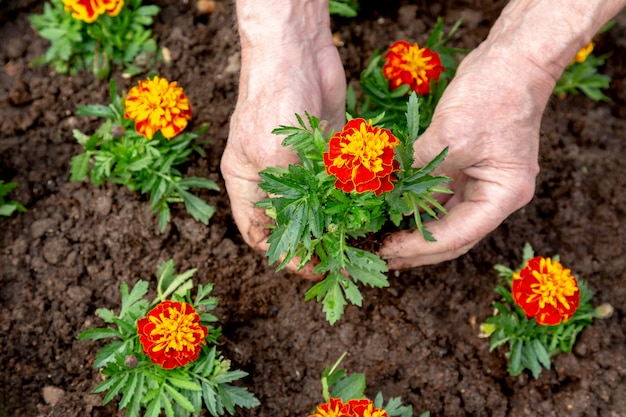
x=418 y=339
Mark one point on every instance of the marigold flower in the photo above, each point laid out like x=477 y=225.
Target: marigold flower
x=411 y=65
x=361 y=157
x=156 y=104
x=171 y=334
x=89 y=10
x=546 y=290
x=353 y=408
x=582 y=55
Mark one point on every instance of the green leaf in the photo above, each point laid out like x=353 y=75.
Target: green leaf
x=98 y=333
x=541 y=353
x=185 y=384
x=198 y=182
x=79 y=167
x=209 y=396
x=515 y=365
x=96 y=110
x=130 y=390
x=154 y=407
x=350 y=387
x=197 y=207
x=334 y=302
x=238 y=396
x=116 y=388
x=179 y=398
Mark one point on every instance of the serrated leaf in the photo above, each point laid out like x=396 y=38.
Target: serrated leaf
x=196 y=207
x=79 y=167
x=542 y=354
x=198 y=182
x=334 y=303
x=349 y=387
x=239 y=396
x=186 y=384
x=98 y=333
x=179 y=398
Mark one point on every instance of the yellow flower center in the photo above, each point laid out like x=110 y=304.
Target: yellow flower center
x=416 y=63
x=176 y=331
x=554 y=284
x=365 y=146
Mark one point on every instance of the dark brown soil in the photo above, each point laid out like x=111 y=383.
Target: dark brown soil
x=68 y=254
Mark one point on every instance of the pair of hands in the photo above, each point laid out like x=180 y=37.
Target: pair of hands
x=489 y=117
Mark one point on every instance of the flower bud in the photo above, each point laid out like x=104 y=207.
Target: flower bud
x=486 y=330
x=324 y=126
x=118 y=131
x=604 y=311
x=130 y=361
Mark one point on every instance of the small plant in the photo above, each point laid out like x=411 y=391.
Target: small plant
x=544 y=307
x=405 y=68
x=583 y=74
x=8 y=207
x=344 y=396
x=141 y=144
x=163 y=354
x=348 y=186
x=97 y=35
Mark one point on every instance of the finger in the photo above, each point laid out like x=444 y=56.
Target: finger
x=455 y=234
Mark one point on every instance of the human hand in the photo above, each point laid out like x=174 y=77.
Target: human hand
x=286 y=69
x=490 y=117
x=490 y=120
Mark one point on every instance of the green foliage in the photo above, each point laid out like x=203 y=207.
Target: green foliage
x=115 y=152
x=584 y=77
x=8 y=207
x=138 y=383
x=109 y=41
x=336 y=383
x=378 y=97
x=530 y=345
x=345 y=8
x=315 y=219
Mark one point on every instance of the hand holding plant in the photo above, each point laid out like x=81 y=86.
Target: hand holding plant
x=347 y=188
x=544 y=308
x=163 y=355
x=140 y=145
x=97 y=35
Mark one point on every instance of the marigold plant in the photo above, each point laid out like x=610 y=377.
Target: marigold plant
x=583 y=74
x=403 y=68
x=97 y=35
x=171 y=334
x=162 y=355
x=344 y=396
x=144 y=155
x=544 y=308
x=348 y=187
x=158 y=105
x=8 y=207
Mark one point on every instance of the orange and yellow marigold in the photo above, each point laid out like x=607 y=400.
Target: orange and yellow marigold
x=361 y=157
x=583 y=53
x=411 y=65
x=171 y=334
x=547 y=291
x=156 y=104
x=89 y=10
x=335 y=407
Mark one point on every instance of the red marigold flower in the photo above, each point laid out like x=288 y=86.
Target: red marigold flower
x=353 y=408
x=89 y=10
x=171 y=334
x=546 y=290
x=411 y=65
x=156 y=104
x=361 y=156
